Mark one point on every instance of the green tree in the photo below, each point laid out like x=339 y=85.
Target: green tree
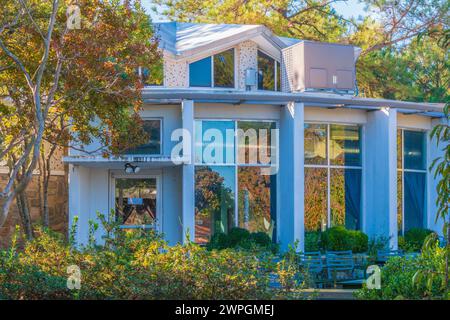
x=59 y=82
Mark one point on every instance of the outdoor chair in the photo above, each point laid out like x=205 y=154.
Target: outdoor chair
x=313 y=264
x=384 y=255
x=340 y=266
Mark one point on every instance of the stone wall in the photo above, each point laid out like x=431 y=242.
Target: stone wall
x=57 y=197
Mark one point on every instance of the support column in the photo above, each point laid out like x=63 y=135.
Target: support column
x=292 y=177
x=380 y=210
x=435 y=151
x=188 y=198
x=79 y=201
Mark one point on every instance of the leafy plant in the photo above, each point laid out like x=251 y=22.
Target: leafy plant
x=413 y=239
x=141 y=265
x=338 y=238
x=239 y=238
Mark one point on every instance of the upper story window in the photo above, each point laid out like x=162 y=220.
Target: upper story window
x=269 y=73
x=153 y=147
x=216 y=71
x=152 y=75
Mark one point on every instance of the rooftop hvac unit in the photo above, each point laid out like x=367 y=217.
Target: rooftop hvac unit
x=316 y=66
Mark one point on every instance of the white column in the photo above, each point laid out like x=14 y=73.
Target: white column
x=435 y=151
x=79 y=201
x=188 y=198
x=291 y=190
x=380 y=184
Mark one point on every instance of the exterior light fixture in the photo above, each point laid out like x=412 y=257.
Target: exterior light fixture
x=129 y=168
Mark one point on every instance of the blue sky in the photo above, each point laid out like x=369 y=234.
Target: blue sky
x=347 y=8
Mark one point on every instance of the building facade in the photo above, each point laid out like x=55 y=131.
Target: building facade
x=265 y=133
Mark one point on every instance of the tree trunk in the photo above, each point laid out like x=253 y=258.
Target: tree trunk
x=24 y=212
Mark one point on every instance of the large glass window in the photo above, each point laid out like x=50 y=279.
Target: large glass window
x=215 y=71
x=135 y=201
x=214 y=201
x=231 y=188
x=152 y=128
x=269 y=73
x=411 y=179
x=332 y=176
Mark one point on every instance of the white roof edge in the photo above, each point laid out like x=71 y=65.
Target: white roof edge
x=284 y=97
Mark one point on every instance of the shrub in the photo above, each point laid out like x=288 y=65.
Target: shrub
x=410 y=278
x=312 y=241
x=141 y=266
x=413 y=239
x=238 y=238
x=338 y=239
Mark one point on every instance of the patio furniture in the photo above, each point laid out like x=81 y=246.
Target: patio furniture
x=340 y=266
x=312 y=261
x=384 y=255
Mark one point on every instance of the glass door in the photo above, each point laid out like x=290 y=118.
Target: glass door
x=136 y=202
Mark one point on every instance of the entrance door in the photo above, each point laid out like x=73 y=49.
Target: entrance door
x=137 y=202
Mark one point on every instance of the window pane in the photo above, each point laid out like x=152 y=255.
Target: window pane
x=136 y=201
x=266 y=72
x=214 y=142
x=257 y=201
x=254 y=142
x=278 y=77
x=316 y=215
x=315 y=143
x=399 y=202
x=224 y=69
x=200 y=73
x=414 y=200
x=153 y=130
x=414 y=150
x=399 y=149
x=345 y=193
x=214 y=201
x=345 y=145
x=153 y=75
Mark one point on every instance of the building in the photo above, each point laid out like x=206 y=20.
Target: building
x=336 y=158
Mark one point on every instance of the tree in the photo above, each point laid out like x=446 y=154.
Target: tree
x=61 y=83
x=306 y=19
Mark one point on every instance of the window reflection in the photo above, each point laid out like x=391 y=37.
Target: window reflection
x=345 y=146
x=224 y=69
x=316 y=215
x=254 y=142
x=136 y=201
x=414 y=150
x=257 y=200
x=266 y=72
x=399 y=202
x=153 y=129
x=200 y=73
x=214 y=201
x=214 y=142
x=315 y=143
x=414 y=193
x=345 y=197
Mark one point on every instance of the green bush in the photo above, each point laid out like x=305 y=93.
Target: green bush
x=312 y=241
x=413 y=239
x=238 y=238
x=410 y=278
x=141 y=265
x=339 y=239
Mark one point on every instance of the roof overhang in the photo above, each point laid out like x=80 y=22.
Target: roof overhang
x=118 y=162
x=328 y=100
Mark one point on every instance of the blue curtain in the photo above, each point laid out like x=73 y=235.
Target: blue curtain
x=352 y=199
x=414 y=211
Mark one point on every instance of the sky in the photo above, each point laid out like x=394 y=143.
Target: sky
x=349 y=8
